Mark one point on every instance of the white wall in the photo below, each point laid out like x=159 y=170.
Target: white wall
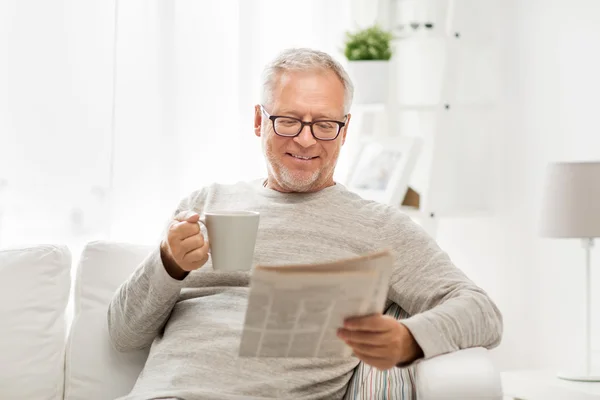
x=549 y=105
x=560 y=63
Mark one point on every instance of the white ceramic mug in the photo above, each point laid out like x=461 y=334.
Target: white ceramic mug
x=232 y=238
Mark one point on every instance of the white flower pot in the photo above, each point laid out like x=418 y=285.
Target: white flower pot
x=371 y=81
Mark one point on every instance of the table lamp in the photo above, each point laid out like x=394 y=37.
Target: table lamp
x=571 y=209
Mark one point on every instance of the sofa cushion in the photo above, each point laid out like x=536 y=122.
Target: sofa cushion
x=94 y=369
x=34 y=292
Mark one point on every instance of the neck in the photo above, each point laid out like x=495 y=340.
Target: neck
x=271 y=183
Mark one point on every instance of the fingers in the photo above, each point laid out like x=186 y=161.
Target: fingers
x=197 y=256
x=361 y=337
x=191 y=243
x=191 y=253
x=371 y=323
x=188 y=215
x=180 y=248
x=193 y=219
x=369 y=350
x=378 y=354
x=183 y=230
x=380 y=341
x=185 y=243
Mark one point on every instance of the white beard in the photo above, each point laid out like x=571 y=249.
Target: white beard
x=291 y=181
x=288 y=179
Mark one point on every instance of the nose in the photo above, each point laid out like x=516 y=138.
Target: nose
x=305 y=138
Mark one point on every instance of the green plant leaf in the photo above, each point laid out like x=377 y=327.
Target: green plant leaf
x=372 y=43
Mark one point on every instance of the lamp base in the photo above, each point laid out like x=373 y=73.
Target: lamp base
x=578 y=377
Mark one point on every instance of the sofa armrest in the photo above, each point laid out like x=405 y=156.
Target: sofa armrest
x=464 y=374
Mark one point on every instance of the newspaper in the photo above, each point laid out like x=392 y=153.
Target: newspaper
x=296 y=310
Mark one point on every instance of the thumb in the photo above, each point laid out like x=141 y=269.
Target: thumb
x=189 y=216
x=192 y=217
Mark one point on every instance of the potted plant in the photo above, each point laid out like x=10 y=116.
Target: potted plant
x=368 y=52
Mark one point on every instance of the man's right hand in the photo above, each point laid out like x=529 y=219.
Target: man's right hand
x=184 y=249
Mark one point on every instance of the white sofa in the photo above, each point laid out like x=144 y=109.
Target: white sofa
x=42 y=358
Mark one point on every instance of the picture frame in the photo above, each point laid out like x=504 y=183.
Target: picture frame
x=381 y=168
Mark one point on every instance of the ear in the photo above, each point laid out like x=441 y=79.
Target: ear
x=346 y=129
x=257 y=120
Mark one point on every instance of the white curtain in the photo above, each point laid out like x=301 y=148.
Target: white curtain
x=104 y=127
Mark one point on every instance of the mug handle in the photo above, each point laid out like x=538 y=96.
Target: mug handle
x=202 y=221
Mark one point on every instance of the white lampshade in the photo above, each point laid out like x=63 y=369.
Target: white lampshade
x=571 y=201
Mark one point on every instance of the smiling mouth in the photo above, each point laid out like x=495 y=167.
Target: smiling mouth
x=299 y=157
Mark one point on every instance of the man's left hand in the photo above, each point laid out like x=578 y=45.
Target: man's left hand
x=380 y=341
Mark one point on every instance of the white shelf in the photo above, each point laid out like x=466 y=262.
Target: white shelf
x=400 y=37
x=382 y=107
x=435 y=113
x=419 y=107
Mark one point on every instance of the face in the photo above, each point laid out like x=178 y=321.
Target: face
x=302 y=163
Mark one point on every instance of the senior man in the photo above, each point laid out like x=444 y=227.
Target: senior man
x=192 y=316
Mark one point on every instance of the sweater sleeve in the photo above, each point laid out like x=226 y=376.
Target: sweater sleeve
x=142 y=305
x=448 y=311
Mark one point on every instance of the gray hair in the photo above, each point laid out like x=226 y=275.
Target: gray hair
x=303 y=59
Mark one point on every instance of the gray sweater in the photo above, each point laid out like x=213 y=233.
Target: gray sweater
x=194 y=326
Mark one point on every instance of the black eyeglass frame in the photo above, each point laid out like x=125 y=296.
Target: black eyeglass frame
x=310 y=124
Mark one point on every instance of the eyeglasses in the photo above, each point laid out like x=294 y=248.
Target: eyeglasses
x=291 y=127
